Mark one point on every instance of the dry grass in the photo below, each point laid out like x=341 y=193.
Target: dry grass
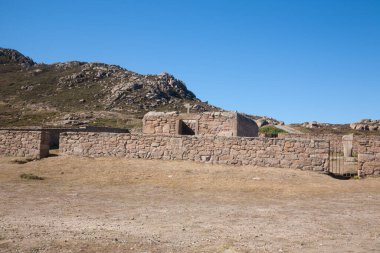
x=30 y=176
x=189 y=176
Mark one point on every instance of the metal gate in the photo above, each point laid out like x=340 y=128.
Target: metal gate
x=341 y=165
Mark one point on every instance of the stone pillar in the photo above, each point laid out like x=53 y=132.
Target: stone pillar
x=187 y=106
x=347 y=145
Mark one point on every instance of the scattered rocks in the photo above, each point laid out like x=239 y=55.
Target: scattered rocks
x=262 y=122
x=67 y=65
x=198 y=108
x=366 y=125
x=76 y=119
x=28 y=87
x=314 y=124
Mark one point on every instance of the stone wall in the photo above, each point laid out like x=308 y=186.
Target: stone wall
x=218 y=124
x=207 y=123
x=334 y=139
x=54 y=132
x=160 y=123
x=286 y=153
x=33 y=144
x=246 y=127
x=369 y=156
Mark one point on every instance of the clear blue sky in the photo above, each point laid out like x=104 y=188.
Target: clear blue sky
x=295 y=60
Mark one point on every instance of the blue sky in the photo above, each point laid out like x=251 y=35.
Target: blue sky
x=295 y=60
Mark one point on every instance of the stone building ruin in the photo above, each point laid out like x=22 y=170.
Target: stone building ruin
x=228 y=124
x=210 y=137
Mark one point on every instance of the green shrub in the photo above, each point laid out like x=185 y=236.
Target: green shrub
x=270 y=131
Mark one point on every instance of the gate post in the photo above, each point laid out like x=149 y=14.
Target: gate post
x=347 y=145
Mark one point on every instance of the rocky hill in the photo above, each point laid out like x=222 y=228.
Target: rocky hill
x=75 y=93
x=83 y=93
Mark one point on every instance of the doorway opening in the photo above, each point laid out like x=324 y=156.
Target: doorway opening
x=188 y=127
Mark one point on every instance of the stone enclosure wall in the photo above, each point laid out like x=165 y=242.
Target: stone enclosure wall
x=336 y=140
x=369 y=156
x=286 y=153
x=366 y=148
x=54 y=132
x=32 y=144
x=207 y=124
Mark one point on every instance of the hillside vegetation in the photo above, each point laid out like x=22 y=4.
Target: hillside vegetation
x=82 y=93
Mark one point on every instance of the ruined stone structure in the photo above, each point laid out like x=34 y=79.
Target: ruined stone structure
x=299 y=154
x=207 y=137
x=205 y=124
x=32 y=144
x=369 y=156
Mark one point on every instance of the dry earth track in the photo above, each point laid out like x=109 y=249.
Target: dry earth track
x=120 y=205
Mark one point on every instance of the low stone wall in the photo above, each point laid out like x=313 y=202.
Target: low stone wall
x=369 y=156
x=287 y=153
x=33 y=144
x=334 y=139
x=54 y=132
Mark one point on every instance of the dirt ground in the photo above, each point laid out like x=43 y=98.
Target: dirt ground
x=121 y=205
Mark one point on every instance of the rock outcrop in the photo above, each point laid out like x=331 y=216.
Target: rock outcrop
x=13 y=56
x=264 y=120
x=314 y=124
x=366 y=125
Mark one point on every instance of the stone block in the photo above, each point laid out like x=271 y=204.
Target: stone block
x=366 y=157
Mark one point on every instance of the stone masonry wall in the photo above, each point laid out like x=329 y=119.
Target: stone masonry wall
x=207 y=123
x=369 y=156
x=286 y=153
x=54 y=132
x=246 y=127
x=334 y=139
x=160 y=123
x=218 y=123
x=33 y=144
